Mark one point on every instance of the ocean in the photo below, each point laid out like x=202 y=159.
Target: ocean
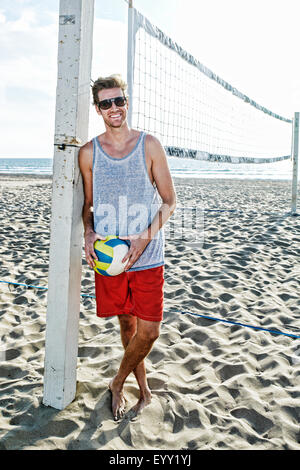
x=179 y=167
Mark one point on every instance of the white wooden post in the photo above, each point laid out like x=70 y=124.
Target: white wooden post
x=71 y=131
x=130 y=59
x=295 y=152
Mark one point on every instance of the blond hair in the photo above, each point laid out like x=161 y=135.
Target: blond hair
x=103 y=83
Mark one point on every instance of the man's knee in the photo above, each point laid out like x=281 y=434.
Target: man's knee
x=148 y=331
x=153 y=336
x=127 y=322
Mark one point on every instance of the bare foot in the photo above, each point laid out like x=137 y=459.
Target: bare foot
x=118 y=403
x=144 y=400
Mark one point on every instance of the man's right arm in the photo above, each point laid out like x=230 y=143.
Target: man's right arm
x=85 y=160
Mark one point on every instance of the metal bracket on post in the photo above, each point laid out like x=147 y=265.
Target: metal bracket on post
x=63 y=141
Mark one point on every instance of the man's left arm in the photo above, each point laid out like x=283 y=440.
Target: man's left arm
x=164 y=183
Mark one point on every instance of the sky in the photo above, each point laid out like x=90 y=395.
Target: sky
x=252 y=44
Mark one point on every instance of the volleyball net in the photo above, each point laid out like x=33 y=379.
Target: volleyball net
x=195 y=113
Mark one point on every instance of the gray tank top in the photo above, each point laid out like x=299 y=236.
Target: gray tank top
x=125 y=201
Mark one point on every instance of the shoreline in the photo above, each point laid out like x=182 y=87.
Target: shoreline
x=24 y=175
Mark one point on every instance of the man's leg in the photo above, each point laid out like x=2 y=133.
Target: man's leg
x=137 y=349
x=128 y=325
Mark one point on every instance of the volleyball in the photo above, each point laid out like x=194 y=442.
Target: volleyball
x=110 y=253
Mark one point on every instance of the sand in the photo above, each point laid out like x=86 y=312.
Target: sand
x=214 y=385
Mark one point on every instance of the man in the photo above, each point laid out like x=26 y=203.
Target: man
x=125 y=173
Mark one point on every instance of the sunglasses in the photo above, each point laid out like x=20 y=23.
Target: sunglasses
x=106 y=104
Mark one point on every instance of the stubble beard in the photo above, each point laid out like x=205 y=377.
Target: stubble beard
x=110 y=124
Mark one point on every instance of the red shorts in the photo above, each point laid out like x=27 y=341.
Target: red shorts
x=139 y=293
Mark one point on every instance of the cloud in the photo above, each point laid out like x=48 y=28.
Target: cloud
x=27 y=90
x=28 y=53
x=25 y=23
x=28 y=65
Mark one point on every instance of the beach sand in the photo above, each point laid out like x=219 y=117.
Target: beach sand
x=214 y=385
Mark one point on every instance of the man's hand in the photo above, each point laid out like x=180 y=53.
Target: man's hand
x=138 y=244
x=89 y=238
